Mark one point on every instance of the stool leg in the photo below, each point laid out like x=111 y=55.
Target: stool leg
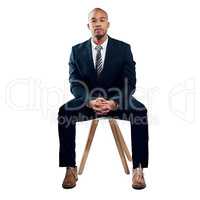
x=123 y=144
x=119 y=147
x=88 y=145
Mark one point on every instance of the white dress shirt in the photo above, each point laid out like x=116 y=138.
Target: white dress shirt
x=103 y=51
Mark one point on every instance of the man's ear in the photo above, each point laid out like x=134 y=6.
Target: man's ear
x=108 y=24
x=88 y=26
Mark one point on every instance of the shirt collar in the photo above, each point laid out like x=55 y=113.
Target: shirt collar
x=103 y=45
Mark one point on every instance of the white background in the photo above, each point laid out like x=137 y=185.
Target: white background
x=35 y=42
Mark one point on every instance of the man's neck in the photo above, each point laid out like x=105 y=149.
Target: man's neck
x=100 y=41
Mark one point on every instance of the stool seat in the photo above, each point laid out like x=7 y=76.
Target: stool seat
x=119 y=140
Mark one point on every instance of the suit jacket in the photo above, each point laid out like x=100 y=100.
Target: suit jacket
x=117 y=79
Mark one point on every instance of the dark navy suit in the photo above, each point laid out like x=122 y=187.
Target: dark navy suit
x=117 y=81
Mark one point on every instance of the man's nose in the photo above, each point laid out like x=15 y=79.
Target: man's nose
x=98 y=24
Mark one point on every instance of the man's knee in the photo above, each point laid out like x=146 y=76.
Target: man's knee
x=71 y=106
x=137 y=106
x=61 y=110
x=144 y=108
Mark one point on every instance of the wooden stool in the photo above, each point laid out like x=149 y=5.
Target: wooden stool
x=119 y=140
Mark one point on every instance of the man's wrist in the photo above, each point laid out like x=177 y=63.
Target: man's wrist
x=115 y=103
x=88 y=104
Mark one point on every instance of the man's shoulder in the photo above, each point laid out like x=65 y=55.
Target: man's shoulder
x=119 y=42
x=81 y=45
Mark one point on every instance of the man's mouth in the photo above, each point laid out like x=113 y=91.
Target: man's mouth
x=98 y=29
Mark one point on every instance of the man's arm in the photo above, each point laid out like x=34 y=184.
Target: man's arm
x=77 y=85
x=129 y=78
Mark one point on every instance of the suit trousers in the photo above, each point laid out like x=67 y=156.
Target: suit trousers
x=75 y=111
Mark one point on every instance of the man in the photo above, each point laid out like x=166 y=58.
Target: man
x=102 y=79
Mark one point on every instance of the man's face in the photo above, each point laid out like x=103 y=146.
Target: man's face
x=98 y=24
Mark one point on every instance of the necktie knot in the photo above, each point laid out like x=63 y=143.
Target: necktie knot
x=98 y=47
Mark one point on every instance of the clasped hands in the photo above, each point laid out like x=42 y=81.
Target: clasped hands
x=102 y=106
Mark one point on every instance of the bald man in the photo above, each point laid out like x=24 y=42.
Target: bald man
x=102 y=79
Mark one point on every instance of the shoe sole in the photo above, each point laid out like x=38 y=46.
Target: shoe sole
x=69 y=187
x=138 y=187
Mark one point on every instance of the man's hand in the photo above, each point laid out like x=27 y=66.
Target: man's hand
x=102 y=106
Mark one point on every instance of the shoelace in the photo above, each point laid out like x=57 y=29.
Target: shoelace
x=138 y=172
x=71 y=170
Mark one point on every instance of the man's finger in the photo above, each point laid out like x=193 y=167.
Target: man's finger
x=105 y=111
x=101 y=113
x=101 y=99
x=97 y=108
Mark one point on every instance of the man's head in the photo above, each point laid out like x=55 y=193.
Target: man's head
x=98 y=23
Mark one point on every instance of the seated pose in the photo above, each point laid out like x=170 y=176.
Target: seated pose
x=102 y=79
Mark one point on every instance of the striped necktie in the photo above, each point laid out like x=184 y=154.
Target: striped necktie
x=99 y=61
